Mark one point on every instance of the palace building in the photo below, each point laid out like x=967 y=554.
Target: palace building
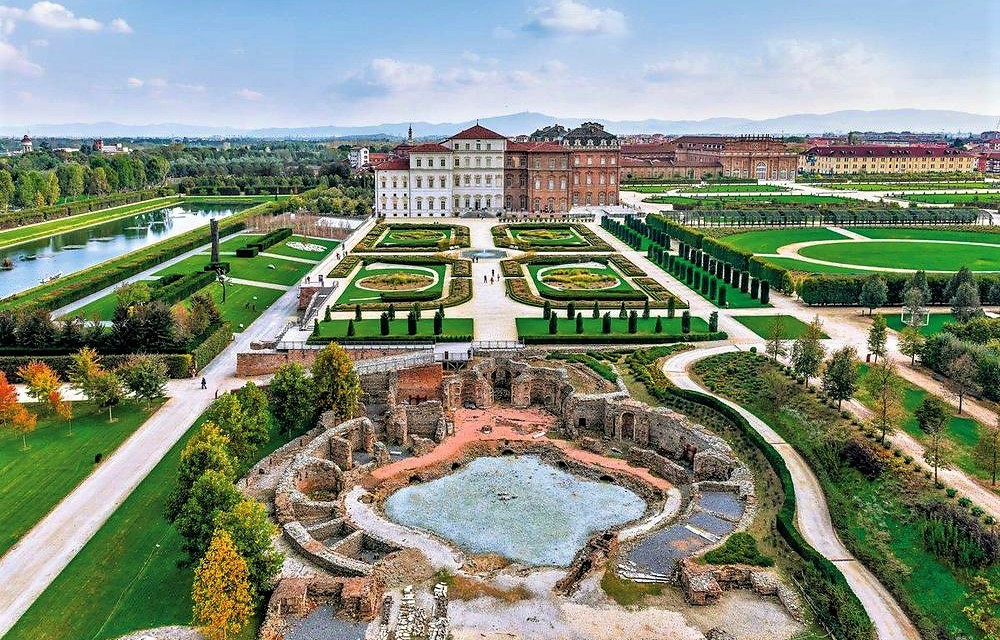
x=479 y=170
x=853 y=159
x=750 y=157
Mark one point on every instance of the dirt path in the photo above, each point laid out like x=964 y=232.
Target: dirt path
x=812 y=515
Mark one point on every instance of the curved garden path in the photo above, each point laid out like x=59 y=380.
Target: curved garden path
x=812 y=517
x=792 y=251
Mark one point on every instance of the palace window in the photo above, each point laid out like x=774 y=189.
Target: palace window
x=420 y=204
x=552 y=183
x=418 y=161
x=420 y=183
x=489 y=162
x=590 y=179
x=468 y=179
x=562 y=182
x=489 y=179
x=538 y=183
x=441 y=162
x=479 y=180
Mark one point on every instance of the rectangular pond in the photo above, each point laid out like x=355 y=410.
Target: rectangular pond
x=70 y=251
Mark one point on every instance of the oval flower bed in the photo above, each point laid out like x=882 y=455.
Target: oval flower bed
x=578 y=278
x=398 y=281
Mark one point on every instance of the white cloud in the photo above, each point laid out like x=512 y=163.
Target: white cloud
x=249 y=94
x=135 y=82
x=14 y=61
x=685 y=65
x=118 y=25
x=571 y=18
x=383 y=76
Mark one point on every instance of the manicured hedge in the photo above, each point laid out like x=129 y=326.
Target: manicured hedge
x=459 y=237
x=211 y=346
x=53 y=212
x=834 y=289
x=182 y=287
x=502 y=238
x=408 y=296
x=460 y=293
x=809 y=214
x=345 y=267
x=592 y=338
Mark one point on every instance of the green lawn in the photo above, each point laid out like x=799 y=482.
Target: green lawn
x=354 y=294
x=908 y=255
x=808 y=267
x=238 y=241
x=282 y=248
x=370 y=328
x=655 y=188
x=126 y=577
x=982 y=234
x=935 y=324
x=991 y=199
x=603 y=270
x=34 y=481
x=733 y=188
x=23 y=234
x=557 y=235
x=424 y=236
x=761 y=325
x=907 y=186
x=285 y=272
x=539 y=327
x=712 y=202
x=771 y=240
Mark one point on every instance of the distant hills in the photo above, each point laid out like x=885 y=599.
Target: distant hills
x=915 y=120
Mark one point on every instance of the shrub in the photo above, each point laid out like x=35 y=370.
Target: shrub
x=739 y=548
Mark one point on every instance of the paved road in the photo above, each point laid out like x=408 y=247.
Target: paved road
x=28 y=568
x=812 y=516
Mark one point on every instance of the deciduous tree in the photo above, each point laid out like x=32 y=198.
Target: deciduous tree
x=911 y=342
x=987 y=451
x=963 y=377
x=207 y=449
x=877 y=337
x=775 y=346
x=874 y=293
x=336 y=382
x=251 y=531
x=14 y=417
x=885 y=389
x=145 y=377
x=222 y=594
x=965 y=303
x=292 y=398
x=840 y=377
x=808 y=351
x=212 y=493
x=932 y=415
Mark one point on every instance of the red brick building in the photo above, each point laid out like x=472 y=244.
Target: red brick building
x=750 y=157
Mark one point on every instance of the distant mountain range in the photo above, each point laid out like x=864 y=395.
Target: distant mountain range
x=915 y=120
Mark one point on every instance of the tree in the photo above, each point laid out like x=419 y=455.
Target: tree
x=622 y=312
x=919 y=282
x=713 y=322
x=963 y=377
x=982 y=610
x=336 y=382
x=596 y=311
x=222 y=593
x=383 y=323
x=962 y=276
x=808 y=351
x=42 y=382
x=145 y=377
x=911 y=342
x=553 y=324
x=775 y=346
x=885 y=389
x=6 y=189
x=723 y=291
x=932 y=415
x=913 y=306
x=84 y=365
x=242 y=416
x=106 y=390
x=579 y=323
x=874 y=292
x=570 y=310
x=411 y=323
x=350 y=328
x=606 y=323
x=212 y=493
x=633 y=322
x=130 y=294
x=438 y=323
x=776 y=389
x=965 y=303
x=292 y=397
x=14 y=417
x=840 y=377
x=672 y=306
x=207 y=449
x=357 y=312
x=547 y=310
x=645 y=309
x=987 y=451
x=686 y=322
x=658 y=328
x=877 y=337
x=251 y=531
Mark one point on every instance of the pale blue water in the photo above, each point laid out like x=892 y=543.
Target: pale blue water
x=75 y=250
x=517 y=506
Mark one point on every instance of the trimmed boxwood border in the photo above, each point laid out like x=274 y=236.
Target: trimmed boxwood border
x=460 y=237
x=659 y=338
x=502 y=238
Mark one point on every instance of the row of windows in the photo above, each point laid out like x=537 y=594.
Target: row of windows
x=488 y=202
x=488 y=180
x=479 y=145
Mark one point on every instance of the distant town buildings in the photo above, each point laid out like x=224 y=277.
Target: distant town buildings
x=358 y=157
x=856 y=159
x=552 y=170
x=100 y=147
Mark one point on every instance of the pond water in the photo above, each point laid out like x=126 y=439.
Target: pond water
x=75 y=250
x=517 y=506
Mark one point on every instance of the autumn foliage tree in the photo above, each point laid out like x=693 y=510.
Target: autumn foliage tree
x=223 y=602
x=14 y=417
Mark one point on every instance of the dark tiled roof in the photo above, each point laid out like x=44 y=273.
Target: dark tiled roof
x=477 y=132
x=884 y=151
x=393 y=164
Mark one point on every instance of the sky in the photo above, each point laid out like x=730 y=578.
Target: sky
x=253 y=63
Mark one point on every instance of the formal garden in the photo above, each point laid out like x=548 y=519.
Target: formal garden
x=413 y=237
x=547 y=237
x=376 y=282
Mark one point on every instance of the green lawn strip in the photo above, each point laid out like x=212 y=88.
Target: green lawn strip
x=962 y=432
x=761 y=325
x=244 y=302
x=771 y=240
x=539 y=327
x=935 y=325
x=238 y=241
x=710 y=202
x=34 y=481
x=428 y=237
x=531 y=237
x=101 y=309
x=655 y=188
x=864 y=512
x=285 y=272
x=909 y=186
x=956 y=198
x=793 y=264
x=371 y=328
x=903 y=233
x=543 y=288
x=282 y=248
x=353 y=294
x=733 y=188
x=908 y=255
x=126 y=577
x=18 y=235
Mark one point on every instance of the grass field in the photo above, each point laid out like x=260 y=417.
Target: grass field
x=761 y=325
x=126 y=577
x=282 y=248
x=285 y=272
x=771 y=240
x=353 y=294
x=720 y=202
x=908 y=255
x=584 y=272
x=23 y=234
x=370 y=328
x=935 y=325
x=34 y=481
x=424 y=236
x=906 y=186
x=552 y=236
x=732 y=188
x=881 y=233
x=991 y=199
x=539 y=327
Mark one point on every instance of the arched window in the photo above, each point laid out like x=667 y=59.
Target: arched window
x=536 y=204
x=600 y=198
